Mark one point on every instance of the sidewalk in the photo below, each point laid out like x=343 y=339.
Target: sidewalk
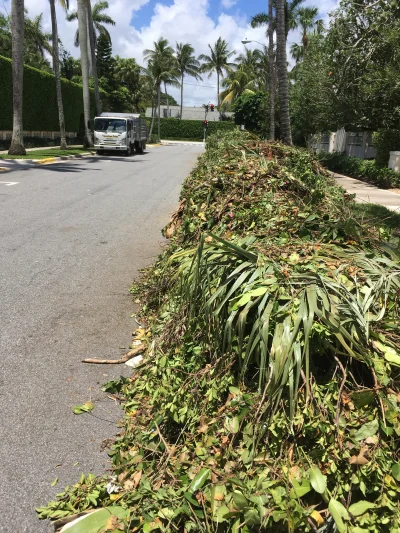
x=366 y=193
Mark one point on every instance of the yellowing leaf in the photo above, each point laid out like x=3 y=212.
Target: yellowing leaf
x=317 y=517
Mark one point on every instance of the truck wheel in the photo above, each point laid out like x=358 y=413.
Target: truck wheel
x=100 y=152
x=143 y=146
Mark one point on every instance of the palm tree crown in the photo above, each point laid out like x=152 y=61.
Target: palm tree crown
x=217 y=61
x=186 y=63
x=99 y=19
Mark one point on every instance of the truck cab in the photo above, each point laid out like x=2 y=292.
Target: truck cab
x=120 y=132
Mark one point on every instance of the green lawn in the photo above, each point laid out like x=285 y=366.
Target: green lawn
x=45 y=153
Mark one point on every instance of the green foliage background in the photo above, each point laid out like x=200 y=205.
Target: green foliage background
x=172 y=128
x=252 y=111
x=385 y=142
x=40 y=111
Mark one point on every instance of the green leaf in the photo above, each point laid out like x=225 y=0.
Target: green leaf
x=232 y=424
x=367 y=430
x=96 y=521
x=54 y=483
x=396 y=471
x=300 y=490
x=190 y=498
x=360 y=399
x=239 y=500
x=199 y=480
x=84 y=408
x=221 y=513
x=359 y=508
x=317 y=480
x=252 y=517
x=338 y=512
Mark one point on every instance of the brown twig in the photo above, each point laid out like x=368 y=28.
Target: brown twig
x=339 y=397
x=124 y=358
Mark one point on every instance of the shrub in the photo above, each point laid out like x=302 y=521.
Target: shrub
x=252 y=111
x=40 y=110
x=363 y=169
x=172 y=128
x=385 y=141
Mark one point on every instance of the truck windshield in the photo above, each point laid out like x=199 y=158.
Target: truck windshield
x=110 y=124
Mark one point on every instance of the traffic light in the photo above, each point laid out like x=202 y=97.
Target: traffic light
x=205 y=123
x=212 y=108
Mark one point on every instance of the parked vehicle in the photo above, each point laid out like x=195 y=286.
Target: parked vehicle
x=120 y=132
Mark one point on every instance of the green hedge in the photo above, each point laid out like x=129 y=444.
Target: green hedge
x=173 y=128
x=385 y=141
x=40 y=111
x=363 y=169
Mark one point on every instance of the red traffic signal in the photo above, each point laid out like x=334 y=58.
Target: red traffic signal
x=205 y=123
x=212 y=108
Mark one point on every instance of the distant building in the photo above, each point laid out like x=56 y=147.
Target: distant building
x=189 y=113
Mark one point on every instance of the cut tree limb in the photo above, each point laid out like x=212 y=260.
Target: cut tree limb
x=124 y=358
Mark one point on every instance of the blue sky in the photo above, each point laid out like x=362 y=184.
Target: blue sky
x=200 y=22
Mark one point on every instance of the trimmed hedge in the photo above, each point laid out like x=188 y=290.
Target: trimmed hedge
x=173 y=128
x=40 y=111
x=385 y=141
x=363 y=169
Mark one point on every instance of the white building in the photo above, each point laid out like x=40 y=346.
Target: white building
x=189 y=113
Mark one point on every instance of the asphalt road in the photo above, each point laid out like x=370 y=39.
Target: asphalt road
x=72 y=238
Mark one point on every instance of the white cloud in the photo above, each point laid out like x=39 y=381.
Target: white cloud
x=183 y=21
x=227 y=4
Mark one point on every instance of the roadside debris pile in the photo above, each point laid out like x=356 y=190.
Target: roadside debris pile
x=268 y=398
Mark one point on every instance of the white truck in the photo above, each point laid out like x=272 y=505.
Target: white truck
x=120 y=132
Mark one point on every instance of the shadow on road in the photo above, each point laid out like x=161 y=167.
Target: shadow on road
x=69 y=165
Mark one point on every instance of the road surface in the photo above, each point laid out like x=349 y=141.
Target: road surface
x=72 y=238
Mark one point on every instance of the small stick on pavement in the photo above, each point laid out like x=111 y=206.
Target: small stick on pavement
x=124 y=359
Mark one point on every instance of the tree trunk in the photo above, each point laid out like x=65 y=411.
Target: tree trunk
x=271 y=74
x=17 y=26
x=281 y=62
x=92 y=40
x=56 y=68
x=153 y=116
x=219 y=109
x=159 y=111
x=166 y=96
x=83 y=41
x=181 y=96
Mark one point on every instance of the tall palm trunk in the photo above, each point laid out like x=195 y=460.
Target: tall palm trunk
x=159 y=111
x=92 y=41
x=17 y=26
x=271 y=81
x=219 y=108
x=166 y=96
x=281 y=62
x=153 y=117
x=56 y=68
x=83 y=43
x=181 y=96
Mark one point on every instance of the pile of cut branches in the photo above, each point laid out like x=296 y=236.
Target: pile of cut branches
x=269 y=397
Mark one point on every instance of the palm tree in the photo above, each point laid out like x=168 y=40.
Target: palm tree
x=56 y=68
x=306 y=17
x=129 y=74
x=83 y=27
x=99 y=20
x=238 y=82
x=17 y=24
x=281 y=63
x=96 y=25
x=217 y=61
x=36 y=39
x=291 y=16
x=163 y=68
x=186 y=64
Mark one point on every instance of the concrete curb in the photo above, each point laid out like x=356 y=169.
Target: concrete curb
x=51 y=160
